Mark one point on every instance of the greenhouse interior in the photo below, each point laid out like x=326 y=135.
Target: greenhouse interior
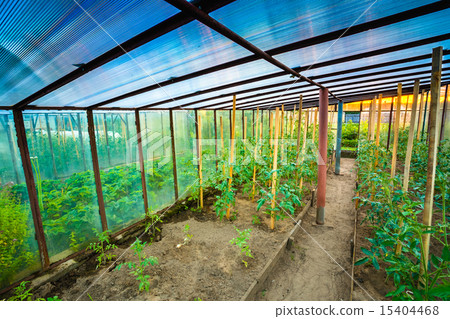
x=224 y=150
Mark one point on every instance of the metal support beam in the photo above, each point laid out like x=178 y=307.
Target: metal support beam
x=31 y=187
x=98 y=181
x=322 y=161
x=337 y=169
x=141 y=159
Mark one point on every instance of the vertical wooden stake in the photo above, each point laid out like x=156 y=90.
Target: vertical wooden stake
x=105 y=128
x=244 y=136
x=274 y=168
x=315 y=124
x=31 y=187
x=396 y=127
x=409 y=149
x=200 y=162
x=390 y=124
x=435 y=88
x=305 y=137
x=233 y=135
x=299 y=125
x=255 y=156
x=419 y=127
x=282 y=133
x=372 y=126
x=141 y=159
x=337 y=169
x=424 y=116
x=444 y=114
x=98 y=181
x=406 y=112
x=270 y=132
x=222 y=144
x=377 y=139
x=215 y=140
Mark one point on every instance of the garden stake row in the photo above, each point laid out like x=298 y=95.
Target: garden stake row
x=233 y=128
x=409 y=150
x=406 y=112
x=255 y=153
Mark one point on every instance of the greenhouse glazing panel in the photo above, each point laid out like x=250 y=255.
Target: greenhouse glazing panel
x=19 y=255
x=120 y=169
x=66 y=191
x=158 y=163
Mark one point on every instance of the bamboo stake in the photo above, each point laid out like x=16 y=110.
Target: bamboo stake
x=233 y=129
x=396 y=125
x=314 y=127
x=299 y=124
x=305 y=136
x=406 y=112
x=270 y=132
x=419 y=127
x=372 y=126
x=436 y=70
x=409 y=149
x=245 y=128
x=255 y=153
x=274 y=168
x=282 y=133
x=293 y=120
x=200 y=162
x=222 y=144
x=377 y=139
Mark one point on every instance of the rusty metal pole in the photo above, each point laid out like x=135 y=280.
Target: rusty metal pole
x=31 y=187
x=322 y=160
x=174 y=156
x=141 y=158
x=98 y=181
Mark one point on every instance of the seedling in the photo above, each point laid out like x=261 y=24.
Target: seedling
x=187 y=236
x=21 y=293
x=152 y=220
x=137 y=269
x=241 y=242
x=256 y=220
x=102 y=246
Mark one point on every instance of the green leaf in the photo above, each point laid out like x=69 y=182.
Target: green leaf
x=367 y=252
x=375 y=263
x=361 y=261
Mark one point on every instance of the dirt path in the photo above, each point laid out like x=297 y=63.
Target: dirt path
x=308 y=272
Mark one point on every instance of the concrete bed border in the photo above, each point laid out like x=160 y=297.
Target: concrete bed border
x=258 y=283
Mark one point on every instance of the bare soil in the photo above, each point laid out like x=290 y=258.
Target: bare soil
x=208 y=267
x=318 y=266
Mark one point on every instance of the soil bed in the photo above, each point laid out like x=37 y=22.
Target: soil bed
x=207 y=268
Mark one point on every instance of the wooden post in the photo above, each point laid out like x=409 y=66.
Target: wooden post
x=419 y=127
x=274 y=168
x=424 y=116
x=390 y=124
x=337 y=169
x=98 y=181
x=31 y=187
x=409 y=149
x=370 y=123
x=253 y=123
x=396 y=127
x=322 y=160
x=435 y=89
x=444 y=111
x=299 y=125
x=233 y=136
x=255 y=156
x=141 y=158
x=174 y=156
x=270 y=132
x=197 y=140
x=52 y=154
x=406 y=112
x=200 y=162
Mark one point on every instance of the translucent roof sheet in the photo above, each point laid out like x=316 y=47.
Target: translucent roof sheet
x=41 y=40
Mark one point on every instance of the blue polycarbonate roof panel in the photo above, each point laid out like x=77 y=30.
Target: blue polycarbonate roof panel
x=40 y=40
x=272 y=23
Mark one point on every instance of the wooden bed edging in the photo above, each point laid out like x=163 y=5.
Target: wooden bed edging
x=258 y=283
